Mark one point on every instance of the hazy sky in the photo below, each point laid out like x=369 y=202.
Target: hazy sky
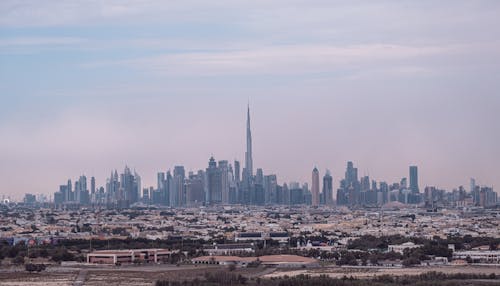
x=89 y=86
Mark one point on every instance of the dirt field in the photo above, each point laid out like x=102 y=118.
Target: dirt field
x=111 y=276
x=37 y=279
x=147 y=275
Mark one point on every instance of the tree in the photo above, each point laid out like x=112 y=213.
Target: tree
x=18 y=260
x=468 y=259
x=30 y=267
x=411 y=261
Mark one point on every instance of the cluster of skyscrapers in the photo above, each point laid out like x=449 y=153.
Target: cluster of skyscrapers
x=120 y=190
x=225 y=183
x=353 y=192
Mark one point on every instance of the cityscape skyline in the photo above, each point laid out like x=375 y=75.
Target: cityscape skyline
x=223 y=184
x=153 y=85
x=248 y=163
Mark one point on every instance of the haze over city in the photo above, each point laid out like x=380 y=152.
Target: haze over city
x=150 y=85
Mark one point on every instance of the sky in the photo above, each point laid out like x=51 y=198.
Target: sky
x=87 y=87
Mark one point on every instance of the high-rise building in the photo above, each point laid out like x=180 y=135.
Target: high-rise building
x=195 y=191
x=365 y=183
x=248 y=153
x=129 y=193
x=270 y=189
x=246 y=190
x=315 y=187
x=237 y=176
x=328 y=188
x=112 y=188
x=69 y=194
x=259 y=177
x=214 y=190
x=162 y=192
x=349 y=191
x=414 y=179
x=136 y=187
x=403 y=184
x=177 y=191
x=224 y=180
x=160 y=180
x=351 y=175
x=93 y=195
x=167 y=192
x=81 y=191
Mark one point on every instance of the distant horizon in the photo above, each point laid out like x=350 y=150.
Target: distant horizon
x=90 y=86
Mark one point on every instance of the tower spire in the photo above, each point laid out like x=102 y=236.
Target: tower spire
x=248 y=154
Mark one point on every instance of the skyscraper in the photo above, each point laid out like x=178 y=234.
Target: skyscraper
x=270 y=189
x=129 y=188
x=224 y=180
x=328 y=188
x=195 y=192
x=349 y=191
x=414 y=179
x=248 y=153
x=315 y=187
x=92 y=190
x=351 y=175
x=237 y=176
x=178 y=192
x=69 y=192
x=214 y=191
x=247 y=187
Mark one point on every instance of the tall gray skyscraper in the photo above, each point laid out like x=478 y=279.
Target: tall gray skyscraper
x=328 y=188
x=69 y=192
x=92 y=185
x=195 y=192
x=315 y=187
x=92 y=190
x=237 y=177
x=414 y=179
x=248 y=154
x=270 y=189
x=224 y=180
x=178 y=193
x=214 y=190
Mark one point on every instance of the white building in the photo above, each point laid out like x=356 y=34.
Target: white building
x=483 y=256
x=401 y=247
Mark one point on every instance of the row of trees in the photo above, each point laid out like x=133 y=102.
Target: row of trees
x=369 y=242
x=431 y=278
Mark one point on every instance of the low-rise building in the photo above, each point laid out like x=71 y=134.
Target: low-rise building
x=128 y=256
x=279 y=261
x=400 y=248
x=229 y=249
x=478 y=256
x=249 y=236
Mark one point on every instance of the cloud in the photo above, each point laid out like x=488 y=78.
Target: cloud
x=278 y=59
x=32 y=13
x=40 y=41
